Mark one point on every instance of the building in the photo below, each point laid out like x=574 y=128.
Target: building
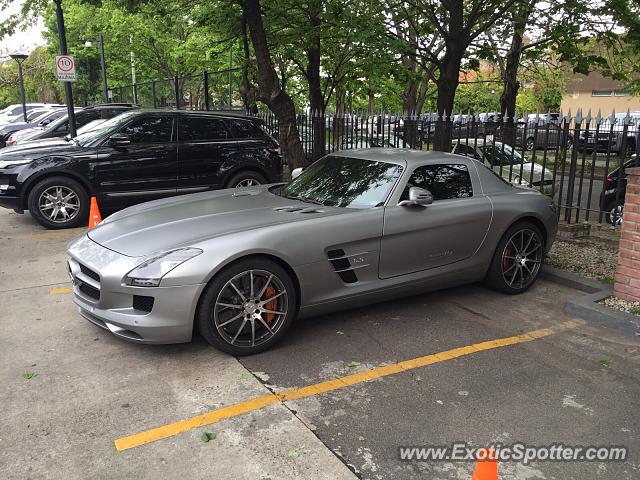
x=596 y=92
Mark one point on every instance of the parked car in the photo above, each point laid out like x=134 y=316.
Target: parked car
x=613 y=137
x=462 y=126
x=538 y=132
x=505 y=161
x=356 y=227
x=135 y=157
x=613 y=207
x=60 y=127
x=490 y=120
x=15 y=111
x=36 y=118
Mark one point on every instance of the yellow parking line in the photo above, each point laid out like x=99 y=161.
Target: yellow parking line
x=60 y=291
x=240 y=408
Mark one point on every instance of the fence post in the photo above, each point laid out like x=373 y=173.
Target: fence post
x=627 y=278
x=176 y=87
x=205 y=77
x=153 y=93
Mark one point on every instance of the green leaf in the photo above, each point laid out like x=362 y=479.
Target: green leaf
x=361 y=438
x=29 y=375
x=604 y=363
x=207 y=437
x=352 y=365
x=246 y=376
x=293 y=453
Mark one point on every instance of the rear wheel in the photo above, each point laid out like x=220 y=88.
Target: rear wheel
x=531 y=143
x=518 y=259
x=246 y=179
x=614 y=214
x=59 y=202
x=247 y=307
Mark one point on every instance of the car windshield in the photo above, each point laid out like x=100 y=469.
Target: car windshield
x=97 y=132
x=502 y=154
x=344 y=182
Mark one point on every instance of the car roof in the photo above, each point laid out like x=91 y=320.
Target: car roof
x=397 y=156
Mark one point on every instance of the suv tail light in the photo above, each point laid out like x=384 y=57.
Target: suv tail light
x=608 y=182
x=274 y=150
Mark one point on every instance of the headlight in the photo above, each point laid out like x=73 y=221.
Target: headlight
x=150 y=272
x=12 y=163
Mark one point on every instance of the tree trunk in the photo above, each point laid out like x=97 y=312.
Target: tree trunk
x=246 y=90
x=269 y=89
x=316 y=98
x=447 y=85
x=510 y=74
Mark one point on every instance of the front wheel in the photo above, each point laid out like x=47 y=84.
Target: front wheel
x=59 y=202
x=531 y=143
x=517 y=260
x=614 y=214
x=247 y=307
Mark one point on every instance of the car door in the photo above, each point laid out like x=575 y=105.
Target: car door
x=201 y=139
x=143 y=170
x=451 y=229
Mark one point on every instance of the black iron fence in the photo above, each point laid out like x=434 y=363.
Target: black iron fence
x=208 y=90
x=579 y=161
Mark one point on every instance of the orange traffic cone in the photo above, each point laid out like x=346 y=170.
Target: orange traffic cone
x=486 y=466
x=94 y=214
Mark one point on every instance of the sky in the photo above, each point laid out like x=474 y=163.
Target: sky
x=20 y=42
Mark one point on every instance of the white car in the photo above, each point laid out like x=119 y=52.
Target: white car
x=505 y=161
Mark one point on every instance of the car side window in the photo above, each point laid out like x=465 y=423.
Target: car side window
x=445 y=181
x=83 y=118
x=244 y=129
x=63 y=127
x=153 y=129
x=202 y=129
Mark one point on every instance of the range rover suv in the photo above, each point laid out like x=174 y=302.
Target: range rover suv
x=132 y=158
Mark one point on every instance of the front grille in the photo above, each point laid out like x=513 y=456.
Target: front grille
x=89 y=273
x=89 y=291
x=142 y=303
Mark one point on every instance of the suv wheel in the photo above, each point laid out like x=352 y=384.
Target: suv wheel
x=59 y=202
x=246 y=179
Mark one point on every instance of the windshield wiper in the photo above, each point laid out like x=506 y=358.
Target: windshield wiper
x=303 y=199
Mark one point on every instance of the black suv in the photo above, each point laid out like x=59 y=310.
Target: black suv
x=132 y=158
x=612 y=202
x=60 y=127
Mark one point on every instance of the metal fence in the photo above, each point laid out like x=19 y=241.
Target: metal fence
x=216 y=90
x=579 y=161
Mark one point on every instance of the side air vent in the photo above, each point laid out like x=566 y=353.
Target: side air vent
x=343 y=265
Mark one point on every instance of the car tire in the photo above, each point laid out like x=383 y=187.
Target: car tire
x=611 y=210
x=247 y=178
x=226 y=311
x=510 y=271
x=59 y=202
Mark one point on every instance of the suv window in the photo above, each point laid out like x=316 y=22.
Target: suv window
x=202 y=129
x=154 y=129
x=112 y=112
x=244 y=129
x=82 y=118
x=443 y=181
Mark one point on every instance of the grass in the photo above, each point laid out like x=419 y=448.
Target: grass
x=635 y=310
x=606 y=280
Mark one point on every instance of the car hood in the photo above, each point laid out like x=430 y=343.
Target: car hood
x=175 y=222
x=37 y=149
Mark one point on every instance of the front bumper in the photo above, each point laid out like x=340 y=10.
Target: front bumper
x=105 y=301
x=14 y=203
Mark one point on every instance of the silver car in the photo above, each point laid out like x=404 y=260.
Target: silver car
x=356 y=227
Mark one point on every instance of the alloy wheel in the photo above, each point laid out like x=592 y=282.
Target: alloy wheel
x=59 y=204
x=522 y=258
x=615 y=215
x=250 y=308
x=248 y=182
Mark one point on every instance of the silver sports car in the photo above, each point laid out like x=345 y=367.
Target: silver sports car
x=356 y=227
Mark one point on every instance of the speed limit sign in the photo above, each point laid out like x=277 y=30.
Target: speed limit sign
x=66 y=68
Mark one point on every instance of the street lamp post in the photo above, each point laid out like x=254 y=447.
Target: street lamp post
x=19 y=58
x=68 y=92
x=103 y=66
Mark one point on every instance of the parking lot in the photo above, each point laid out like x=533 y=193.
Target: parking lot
x=72 y=392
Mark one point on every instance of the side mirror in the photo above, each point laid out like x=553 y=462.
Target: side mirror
x=119 y=140
x=417 y=197
x=296 y=173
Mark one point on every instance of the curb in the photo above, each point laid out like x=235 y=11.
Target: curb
x=587 y=307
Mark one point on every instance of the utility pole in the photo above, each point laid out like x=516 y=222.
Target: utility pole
x=68 y=92
x=19 y=58
x=103 y=66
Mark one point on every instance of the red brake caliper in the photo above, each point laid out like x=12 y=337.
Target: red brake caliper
x=272 y=305
x=505 y=260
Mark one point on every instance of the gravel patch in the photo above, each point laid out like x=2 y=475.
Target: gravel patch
x=623 y=305
x=589 y=258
